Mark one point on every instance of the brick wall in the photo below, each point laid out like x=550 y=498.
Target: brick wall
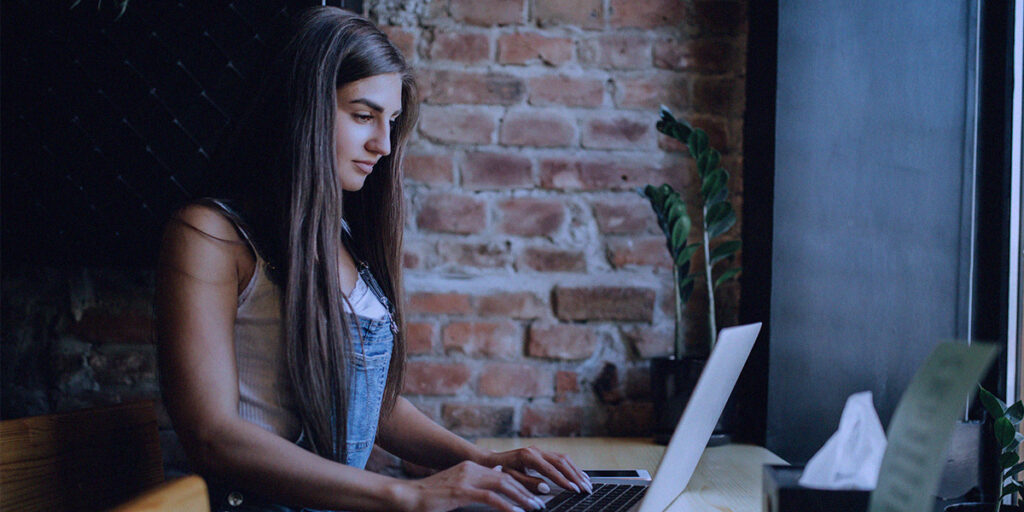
x=537 y=280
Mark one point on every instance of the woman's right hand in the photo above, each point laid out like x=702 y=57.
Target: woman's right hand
x=464 y=484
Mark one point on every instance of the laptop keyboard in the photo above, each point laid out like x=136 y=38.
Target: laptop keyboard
x=606 y=498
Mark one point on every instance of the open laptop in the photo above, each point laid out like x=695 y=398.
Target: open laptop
x=634 y=492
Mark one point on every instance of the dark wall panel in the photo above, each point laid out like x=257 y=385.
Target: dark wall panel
x=870 y=127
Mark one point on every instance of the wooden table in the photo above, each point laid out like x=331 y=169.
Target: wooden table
x=727 y=479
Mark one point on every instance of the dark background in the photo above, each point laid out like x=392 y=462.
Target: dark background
x=109 y=119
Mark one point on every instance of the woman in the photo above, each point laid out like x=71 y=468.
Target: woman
x=278 y=305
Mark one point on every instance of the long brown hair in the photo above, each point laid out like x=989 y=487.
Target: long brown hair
x=280 y=169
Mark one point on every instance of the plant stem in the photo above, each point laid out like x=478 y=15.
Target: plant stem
x=711 y=285
x=679 y=341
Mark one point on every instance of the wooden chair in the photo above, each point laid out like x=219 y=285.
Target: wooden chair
x=80 y=461
x=183 y=494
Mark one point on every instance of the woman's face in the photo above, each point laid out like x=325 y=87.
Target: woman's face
x=362 y=128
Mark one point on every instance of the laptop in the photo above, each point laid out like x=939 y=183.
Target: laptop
x=633 y=490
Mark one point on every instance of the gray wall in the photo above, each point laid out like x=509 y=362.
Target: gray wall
x=866 y=263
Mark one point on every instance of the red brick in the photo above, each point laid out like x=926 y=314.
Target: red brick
x=480 y=255
x=720 y=17
x=431 y=303
x=510 y=379
x=461 y=47
x=650 y=91
x=419 y=337
x=457 y=124
x=611 y=174
x=450 y=213
x=520 y=305
x=446 y=87
x=616 y=51
x=572 y=91
x=478 y=420
x=430 y=169
x=426 y=378
x=651 y=341
x=566 y=383
x=488 y=12
x=577 y=13
x=552 y=260
x=523 y=48
x=624 y=215
x=626 y=303
x=561 y=341
x=525 y=216
x=634 y=419
x=403 y=38
x=723 y=96
x=496 y=170
x=537 y=128
x=644 y=251
x=704 y=55
x=102 y=325
x=645 y=13
x=556 y=420
x=410 y=260
x=617 y=132
x=487 y=339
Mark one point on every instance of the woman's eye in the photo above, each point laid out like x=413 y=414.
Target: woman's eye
x=363 y=118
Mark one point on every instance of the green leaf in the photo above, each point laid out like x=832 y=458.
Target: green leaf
x=722 y=225
x=1011 y=488
x=680 y=230
x=995 y=407
x=716 y=213
x=1017 y=468
x=1008 y=459
x=698 y=142
x=717 y=198
x=685 y=254
x=1015 y=412
x=1004 y=432
x=677 y=214
x=713 y=183
x=727 y=275
x=708 y=161
x=672 y=127
x=724 y=250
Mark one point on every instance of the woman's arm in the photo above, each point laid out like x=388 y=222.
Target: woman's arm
x=411 y=435
x=202 y=265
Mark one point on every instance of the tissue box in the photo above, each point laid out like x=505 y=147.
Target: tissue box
x=782 y=493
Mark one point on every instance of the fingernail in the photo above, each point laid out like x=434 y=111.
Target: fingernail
x=543 y=488
x=590 y=488
x=538 y=504
x=517 y=509
x=574 y=487
x=497 y=468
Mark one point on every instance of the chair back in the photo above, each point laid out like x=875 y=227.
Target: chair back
x=84 y=460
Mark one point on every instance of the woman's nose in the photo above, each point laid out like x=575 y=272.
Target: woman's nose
x=380 y=143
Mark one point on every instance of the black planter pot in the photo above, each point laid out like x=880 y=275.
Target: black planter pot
x=672 y=383
x=982 y=507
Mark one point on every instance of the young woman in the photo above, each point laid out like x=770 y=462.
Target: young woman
x=279 y=315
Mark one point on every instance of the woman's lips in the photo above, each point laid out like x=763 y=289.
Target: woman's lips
x=364 y=167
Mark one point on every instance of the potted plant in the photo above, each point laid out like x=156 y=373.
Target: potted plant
x=1008 y=439
x=673 y=378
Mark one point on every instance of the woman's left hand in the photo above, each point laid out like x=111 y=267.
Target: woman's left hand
x=556 y=467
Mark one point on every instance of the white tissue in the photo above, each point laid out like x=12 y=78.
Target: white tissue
x=851 y=458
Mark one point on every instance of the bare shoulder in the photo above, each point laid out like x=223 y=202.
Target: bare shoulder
x=207 y=220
